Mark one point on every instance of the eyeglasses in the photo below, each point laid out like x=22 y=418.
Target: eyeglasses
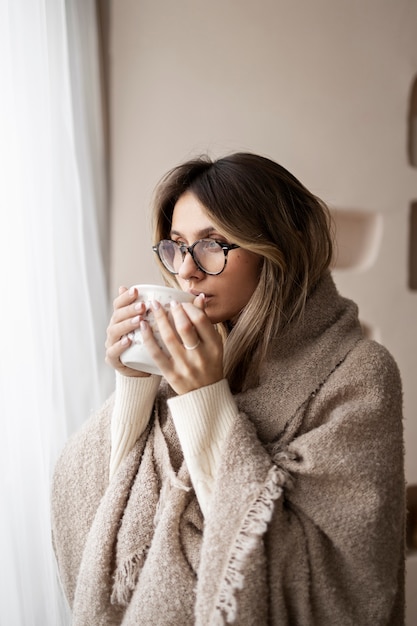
x=210 y=256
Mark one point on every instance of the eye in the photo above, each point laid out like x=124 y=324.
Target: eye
x=212 y=243
x=221 y=240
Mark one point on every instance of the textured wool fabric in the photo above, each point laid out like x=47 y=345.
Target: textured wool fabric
x=306 y=521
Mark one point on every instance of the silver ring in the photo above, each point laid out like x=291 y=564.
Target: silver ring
x=191 y=347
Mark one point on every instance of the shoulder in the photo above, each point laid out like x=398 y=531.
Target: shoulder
x=371 y=363
x=365 y=388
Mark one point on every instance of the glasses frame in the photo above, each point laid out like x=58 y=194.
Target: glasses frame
x=190 y=249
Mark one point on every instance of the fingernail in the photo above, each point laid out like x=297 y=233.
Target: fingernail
x=174 y=304
x=131 y=291
x=202 y=298
x=155 y=305
x=125 y=340
x=135 y=320
x=143 y=325
x=138 y=306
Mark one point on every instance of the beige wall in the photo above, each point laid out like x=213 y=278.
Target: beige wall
x=322 y=86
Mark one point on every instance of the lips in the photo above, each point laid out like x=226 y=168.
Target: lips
x=196 y=293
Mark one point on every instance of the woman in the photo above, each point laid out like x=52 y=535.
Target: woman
x=260 y=480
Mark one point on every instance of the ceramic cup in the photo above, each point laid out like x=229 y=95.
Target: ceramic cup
x=136 y=355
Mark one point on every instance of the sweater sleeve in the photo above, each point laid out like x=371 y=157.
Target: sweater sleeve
x=134 y=398
x=203 y=419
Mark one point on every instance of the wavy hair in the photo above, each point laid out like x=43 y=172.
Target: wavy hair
x=259 y=205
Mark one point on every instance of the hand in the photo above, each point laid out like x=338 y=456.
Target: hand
x=127 y=315
x=185 y=369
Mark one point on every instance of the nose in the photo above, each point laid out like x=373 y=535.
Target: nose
x=188 y=268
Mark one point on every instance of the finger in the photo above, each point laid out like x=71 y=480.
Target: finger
x=125 y=306
x=200 y=302
x=126 y=317
x=125 y=297
x=171 y=359
x=116 y=331
x=113 y=359
x=185 y=328
x=166 y=328
x=152 y=346
x=203 y=326
x=114 y=352
x=127 y=313
x=185 y=370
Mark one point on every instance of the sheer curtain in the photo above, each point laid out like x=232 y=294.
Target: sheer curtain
x=54 y=305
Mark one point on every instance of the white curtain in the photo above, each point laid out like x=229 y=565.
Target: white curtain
x=54 y=306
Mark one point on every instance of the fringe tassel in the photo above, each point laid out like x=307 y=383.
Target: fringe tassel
x=253 y=527
x=126 y=578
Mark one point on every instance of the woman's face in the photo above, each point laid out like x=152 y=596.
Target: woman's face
x=228 y=292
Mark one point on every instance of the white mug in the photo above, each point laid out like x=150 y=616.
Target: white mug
x=136 y=355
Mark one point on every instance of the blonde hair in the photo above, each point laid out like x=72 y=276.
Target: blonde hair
x=262 y=207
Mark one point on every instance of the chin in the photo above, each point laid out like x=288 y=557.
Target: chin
x=217 y=319
x=213 y=317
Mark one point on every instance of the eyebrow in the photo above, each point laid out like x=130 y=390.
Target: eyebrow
x=201 y=234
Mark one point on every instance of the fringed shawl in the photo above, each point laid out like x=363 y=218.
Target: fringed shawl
x=306 y=520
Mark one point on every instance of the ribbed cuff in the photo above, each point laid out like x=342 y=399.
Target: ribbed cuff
x=133 y=404
x=204 y=415
x=203 y=420
x=134 y=396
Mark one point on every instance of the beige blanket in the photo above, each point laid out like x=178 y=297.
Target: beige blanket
x=307 y=517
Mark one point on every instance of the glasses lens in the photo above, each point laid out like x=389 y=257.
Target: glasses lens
x=170 y=255
x=207 y=254
x=210 y=256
